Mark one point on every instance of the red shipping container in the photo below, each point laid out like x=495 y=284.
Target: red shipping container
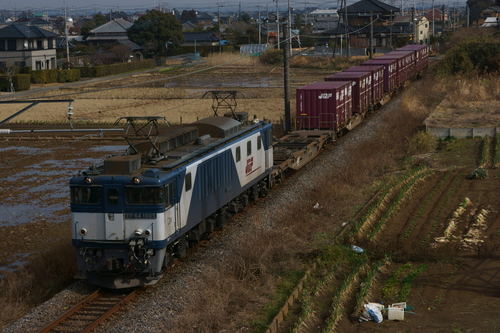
x=324 y=105
x=361 y=89
x=390 y=71
x=406 y=64
x=377 y=77
x=410 y=61
x=422 y=55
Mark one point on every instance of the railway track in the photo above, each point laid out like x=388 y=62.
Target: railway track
x=92 y=311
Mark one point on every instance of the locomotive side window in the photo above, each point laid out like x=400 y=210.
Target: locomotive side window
x=145 y=195
x=249 y=148
x=259 y=142
x=188 y=184
x=270 y=138
x=113 y=197
x=168 y=190
x=86 y=195
x=238 y=154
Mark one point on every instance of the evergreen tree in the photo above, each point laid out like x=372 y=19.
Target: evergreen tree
x=162 y=30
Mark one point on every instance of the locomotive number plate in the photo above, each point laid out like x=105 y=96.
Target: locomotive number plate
x=140 y=215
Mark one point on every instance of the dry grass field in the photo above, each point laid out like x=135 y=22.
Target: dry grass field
x=470 y=102
x=178 y=94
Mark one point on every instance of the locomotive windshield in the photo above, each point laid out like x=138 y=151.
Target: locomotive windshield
x=148 y=195
x=86 y=195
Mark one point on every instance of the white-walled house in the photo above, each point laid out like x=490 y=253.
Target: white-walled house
x=22 y=45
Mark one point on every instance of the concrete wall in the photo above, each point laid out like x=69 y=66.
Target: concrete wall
x=462 y=133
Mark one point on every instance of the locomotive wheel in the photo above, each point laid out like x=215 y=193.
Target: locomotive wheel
x=181 y=248
x=221 y=219
x=168 y=261
x=254 y=192
x=263 y=189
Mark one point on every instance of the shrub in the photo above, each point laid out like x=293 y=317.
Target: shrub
x=479 y=54
x=271 y=57
x=104 y=70
x=422 y=142
x=478 y=173
x=19 y=81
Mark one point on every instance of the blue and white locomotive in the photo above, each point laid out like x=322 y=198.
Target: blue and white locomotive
x=136 y=212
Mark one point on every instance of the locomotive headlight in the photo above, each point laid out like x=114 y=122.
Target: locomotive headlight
x=88 y=180
x=147 y=232
x=136 y=180
x=138 y=232
x=83 y=231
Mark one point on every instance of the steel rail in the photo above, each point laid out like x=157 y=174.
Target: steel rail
x=89 y=313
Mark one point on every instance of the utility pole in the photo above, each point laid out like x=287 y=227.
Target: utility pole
x=413 y=25
x=467 y=14
x=289 y=28
x=390 y=30
x=277 y=24
x=371 y=35
x=260 y=19
x=442 y=29
x=286 y=76
x=339 y=12
x=433 y=20
x=219 y=24
x=267 y=23
x=66 y=32
x=348 y=49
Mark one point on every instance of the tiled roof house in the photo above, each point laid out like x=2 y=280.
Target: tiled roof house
x=22 y=45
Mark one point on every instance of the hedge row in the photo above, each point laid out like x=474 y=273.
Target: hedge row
x=23 y=81
x=55 y=75
x=105 y=70
x=19 y=81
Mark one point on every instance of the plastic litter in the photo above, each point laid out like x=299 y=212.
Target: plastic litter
x=316 y=206
x=357 y=249
x=344 y=224
x=396 y=311
x=374 y=311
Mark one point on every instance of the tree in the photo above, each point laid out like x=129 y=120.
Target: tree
x=86 y=27
x=161 y=28
x=245 y=17
x=97 y=20
x=476 y=6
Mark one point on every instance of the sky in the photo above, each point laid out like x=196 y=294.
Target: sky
x=105 y=6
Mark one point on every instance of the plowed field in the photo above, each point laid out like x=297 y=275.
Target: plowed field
x=430 y=238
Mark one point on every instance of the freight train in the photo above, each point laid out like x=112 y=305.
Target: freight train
x=134 y=213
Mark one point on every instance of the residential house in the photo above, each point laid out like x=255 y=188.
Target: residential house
x=22 y=45
x=419 y=31
x=36 y=21
x=196 y=17
x=492 y=11
x=364 y=18
x=116 y=15
x=271 y=27
x=188 y=26
x=122 y=50
x=491 y=22
x=109 y=33
x=323 y=19
x=200 y=38
x=361 y=13
x=435 y=15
